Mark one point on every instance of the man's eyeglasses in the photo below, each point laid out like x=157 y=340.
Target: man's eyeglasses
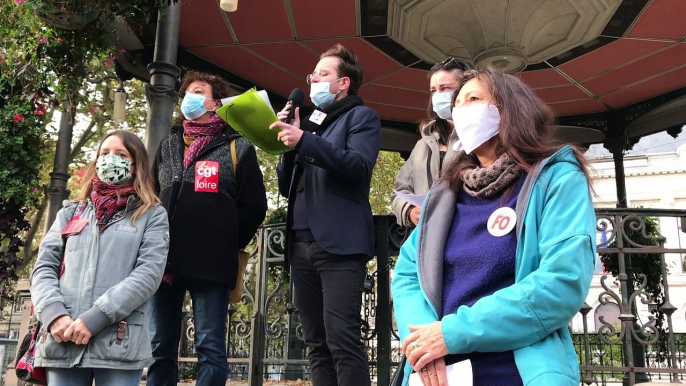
x=450 y=63
x=316 y=75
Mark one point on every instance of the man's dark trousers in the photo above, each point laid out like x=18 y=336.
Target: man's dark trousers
x=328 y=291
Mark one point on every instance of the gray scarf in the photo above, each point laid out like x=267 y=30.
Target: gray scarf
x=490 y=181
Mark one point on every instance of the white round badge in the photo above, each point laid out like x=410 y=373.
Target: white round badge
x=502 y=221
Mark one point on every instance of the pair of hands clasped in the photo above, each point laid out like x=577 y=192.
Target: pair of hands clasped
x=426 y=350
x=66 y=329
x=290 y=134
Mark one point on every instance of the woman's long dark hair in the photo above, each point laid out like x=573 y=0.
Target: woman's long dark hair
x=440 y=125
x=525 y=125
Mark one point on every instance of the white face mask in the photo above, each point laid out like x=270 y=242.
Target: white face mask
x=441 y=104
x=475 y=124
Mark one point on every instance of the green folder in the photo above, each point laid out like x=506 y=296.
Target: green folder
x=251 y=116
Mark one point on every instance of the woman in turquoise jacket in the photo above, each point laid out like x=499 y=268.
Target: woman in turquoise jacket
x=504 y=252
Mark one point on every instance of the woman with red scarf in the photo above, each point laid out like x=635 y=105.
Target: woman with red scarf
x=213 y=213
x=101 y=261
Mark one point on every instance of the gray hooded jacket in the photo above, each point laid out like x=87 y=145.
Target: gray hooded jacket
x=108 y=278
x=421 y=170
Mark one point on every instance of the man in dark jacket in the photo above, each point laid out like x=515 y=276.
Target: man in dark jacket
x=330 y=230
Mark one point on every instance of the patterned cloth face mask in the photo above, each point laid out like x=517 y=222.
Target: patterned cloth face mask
x=113 y=169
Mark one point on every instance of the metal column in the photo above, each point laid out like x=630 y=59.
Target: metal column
x=616 y=146
x=161 y=91
x=57 y=192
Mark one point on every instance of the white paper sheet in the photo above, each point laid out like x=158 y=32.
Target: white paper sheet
x=414 y=199
x=458 y=374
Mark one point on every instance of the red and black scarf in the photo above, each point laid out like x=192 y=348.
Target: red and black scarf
x=203 y=133
x=109 y=199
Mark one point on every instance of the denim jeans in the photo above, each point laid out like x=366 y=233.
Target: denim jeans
x=78 y=376
x=210 y=303
x=328 y=292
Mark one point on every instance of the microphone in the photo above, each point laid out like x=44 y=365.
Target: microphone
x=296 y=99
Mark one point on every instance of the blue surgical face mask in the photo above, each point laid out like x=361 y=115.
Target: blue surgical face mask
x=320 y=94
x=441 y=104
x=193 y=106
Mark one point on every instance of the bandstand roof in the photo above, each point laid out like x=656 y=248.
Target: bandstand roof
x=606 y=68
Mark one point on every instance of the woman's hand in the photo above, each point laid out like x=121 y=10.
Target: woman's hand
x=424 y=344
x=59 y=326
x=78 y=332
x=414 y=214
x=433 y=374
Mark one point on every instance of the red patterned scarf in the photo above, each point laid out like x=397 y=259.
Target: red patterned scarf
x=109 y=199
x=203 y=133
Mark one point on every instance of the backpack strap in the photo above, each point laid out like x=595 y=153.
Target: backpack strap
x=234 y=158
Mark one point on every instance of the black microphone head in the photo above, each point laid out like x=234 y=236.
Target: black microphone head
x=297 y=96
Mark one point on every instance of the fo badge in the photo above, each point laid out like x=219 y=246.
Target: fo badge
x=207 y=176
x=502 y=221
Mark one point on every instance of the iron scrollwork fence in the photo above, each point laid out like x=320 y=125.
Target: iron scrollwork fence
x=264 y=336
x=630 y=351
x=265 y=339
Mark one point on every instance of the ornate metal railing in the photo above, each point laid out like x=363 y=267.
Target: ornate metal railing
x=604 y=355
x=265 y=337
x=631 y=351
x=265 y=340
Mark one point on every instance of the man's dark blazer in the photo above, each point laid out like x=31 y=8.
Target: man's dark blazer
x=339 y=172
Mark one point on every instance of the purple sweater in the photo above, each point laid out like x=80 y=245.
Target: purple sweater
x=476 y=264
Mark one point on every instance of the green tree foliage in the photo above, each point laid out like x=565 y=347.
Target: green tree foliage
x=21 y=133
x=24 y=103
x=41 y=66
x=383 y=181
x=268 y=164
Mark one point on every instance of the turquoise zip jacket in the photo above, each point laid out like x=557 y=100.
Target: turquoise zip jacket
x=553 y=270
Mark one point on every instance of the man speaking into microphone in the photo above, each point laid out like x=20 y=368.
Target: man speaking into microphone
x=330 y=230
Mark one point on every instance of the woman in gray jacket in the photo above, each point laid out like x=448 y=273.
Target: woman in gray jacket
x=435 y=148
x=101 y=261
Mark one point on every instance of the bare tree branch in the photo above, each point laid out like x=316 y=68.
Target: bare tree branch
x=29 y=251
x=87 y=135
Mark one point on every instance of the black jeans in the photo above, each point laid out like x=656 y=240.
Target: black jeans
x=328 y=292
